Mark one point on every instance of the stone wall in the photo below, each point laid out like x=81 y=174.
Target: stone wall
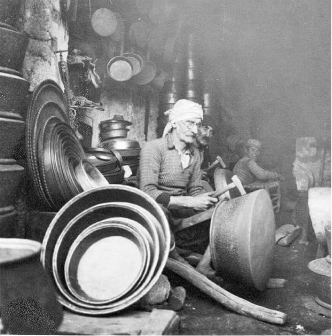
x=43 y=21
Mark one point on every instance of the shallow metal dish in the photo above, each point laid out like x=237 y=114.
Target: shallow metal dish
x=97 y=277
x=87 y=199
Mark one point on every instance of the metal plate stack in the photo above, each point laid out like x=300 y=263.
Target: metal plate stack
x=13 y=105
x=53 y=150
x=105 y=249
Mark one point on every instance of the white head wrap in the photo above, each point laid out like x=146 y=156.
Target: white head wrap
x=183 y=109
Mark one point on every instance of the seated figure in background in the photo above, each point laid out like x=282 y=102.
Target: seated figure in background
x=170 y=172
x=254 y=177
x=203 y=137
x=248 y=170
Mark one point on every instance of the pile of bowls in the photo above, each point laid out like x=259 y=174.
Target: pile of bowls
x=105 y=249
x=55 y=157
x=114 y=128
x=13 y=106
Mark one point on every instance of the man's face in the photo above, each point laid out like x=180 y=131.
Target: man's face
x=204 y=135
x=186 y=130
x=253 y=152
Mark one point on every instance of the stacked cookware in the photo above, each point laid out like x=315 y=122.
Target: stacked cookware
x=173 y=89
x=105 y=249
x=193 y=87
x=13 y=105
x=113 y=133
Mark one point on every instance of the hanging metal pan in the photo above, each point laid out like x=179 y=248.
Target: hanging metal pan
x=148 y=72
x=136 y=61
x=104 y=22
x=120 y=68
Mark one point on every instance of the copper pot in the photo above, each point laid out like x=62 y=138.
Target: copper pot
x=116 y=123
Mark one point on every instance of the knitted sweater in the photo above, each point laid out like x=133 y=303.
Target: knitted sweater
x=249 y=171
x=161 y=174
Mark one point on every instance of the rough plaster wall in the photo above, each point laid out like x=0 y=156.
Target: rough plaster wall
x=42 y=21
x=271 y=59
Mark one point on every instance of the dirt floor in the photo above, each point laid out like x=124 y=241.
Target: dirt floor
x=203 y=316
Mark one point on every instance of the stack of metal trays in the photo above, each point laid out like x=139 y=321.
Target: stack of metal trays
x=105 y=249
x=53 y=150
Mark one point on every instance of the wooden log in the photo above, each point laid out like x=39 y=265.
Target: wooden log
x=222 y=296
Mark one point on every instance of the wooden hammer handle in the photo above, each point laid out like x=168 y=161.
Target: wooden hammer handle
x=219 y=192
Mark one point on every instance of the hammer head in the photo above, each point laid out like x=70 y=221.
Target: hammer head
x=238 y=184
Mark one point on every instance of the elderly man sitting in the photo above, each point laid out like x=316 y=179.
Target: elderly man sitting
x=254 y=177
x=170 y=173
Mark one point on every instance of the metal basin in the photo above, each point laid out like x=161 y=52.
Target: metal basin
x=106 y=261
x=97 y=213
x=90 y=198
x=242 y=238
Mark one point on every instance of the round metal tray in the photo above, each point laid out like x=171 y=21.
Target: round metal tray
x=47 y=101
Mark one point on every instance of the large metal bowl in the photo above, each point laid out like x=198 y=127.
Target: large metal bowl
x=242 y=238
x=89 y=217
x=106 y=261
x=88 y=199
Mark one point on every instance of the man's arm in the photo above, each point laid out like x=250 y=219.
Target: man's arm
x=261 y=173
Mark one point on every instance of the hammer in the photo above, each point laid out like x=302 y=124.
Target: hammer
x=236 y=183
x=218 y=160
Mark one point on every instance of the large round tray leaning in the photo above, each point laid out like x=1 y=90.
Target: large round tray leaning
x=87 y=199
x=100 y=212
x=38 y=113
x=76 y=268
x=242 y=238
